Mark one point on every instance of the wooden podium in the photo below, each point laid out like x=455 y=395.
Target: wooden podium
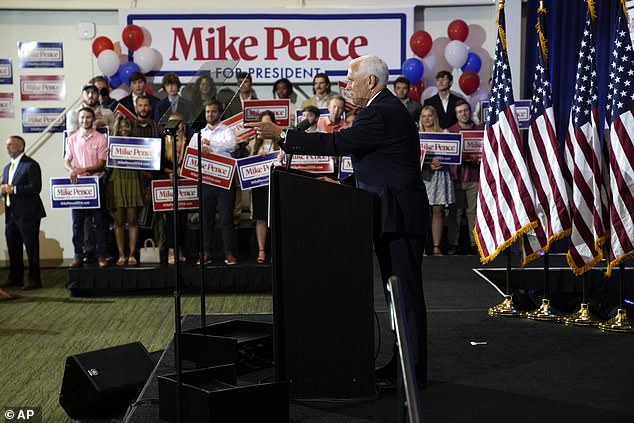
x=323 y=296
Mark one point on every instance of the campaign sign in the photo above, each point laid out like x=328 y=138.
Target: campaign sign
x=251 y=110
x=40 y=55
x=472 y=145
x=236 y=124
x=37 y=119
x=217 y=170
x=134 y=153
x=163 y=195
x=82 y=195
x=313 y=164
x=42 y=87
x=345 y=167
x=6 y=71
x=6 y=105
x=522 y=110
x=445 y=146
x=254 y=171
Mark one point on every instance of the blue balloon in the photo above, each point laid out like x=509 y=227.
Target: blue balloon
x=114 y=81
x=474 y=63
x=413 y=70
x=126 y=69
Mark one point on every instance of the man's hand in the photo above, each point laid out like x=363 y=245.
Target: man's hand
x=266 y=130
x=74 y=174
x=327 y=179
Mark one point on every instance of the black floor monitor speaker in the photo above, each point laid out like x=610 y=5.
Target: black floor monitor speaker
x=102 y=382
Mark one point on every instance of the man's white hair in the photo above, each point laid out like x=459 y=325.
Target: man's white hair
x=372 y=65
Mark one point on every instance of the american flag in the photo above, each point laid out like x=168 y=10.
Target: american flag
x=584 y=161
x=621 y=147
x=505 y=209
x=544 y=161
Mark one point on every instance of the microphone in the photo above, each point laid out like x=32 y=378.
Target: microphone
x=303 y=125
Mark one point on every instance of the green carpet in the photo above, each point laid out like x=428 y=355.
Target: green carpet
x=40 y=328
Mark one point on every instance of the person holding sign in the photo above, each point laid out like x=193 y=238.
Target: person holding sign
x=86 y=155
x=437 y=181
x=260 y=195
x=466 y=183
x=123 y=198
x=219 y=139
x=384 y=147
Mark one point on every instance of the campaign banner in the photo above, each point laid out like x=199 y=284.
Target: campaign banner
x=251 y=110
x=345 y=167
x=163 y=195
x=37 y=119
x=254 y=171
x=42 y=87
x=522 y=109
x=124 y=111
x=82 y=195
x=236 y=123
x=313 y=164
x=217 y=170
x=6 y=71
x=445 y=146
x=34 y=54
x=472 y=145
x=134 y=153
x=6 y=106
x=271 y=43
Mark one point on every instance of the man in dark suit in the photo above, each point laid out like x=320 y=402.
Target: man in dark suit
x=137 y=86
x=444 y=102
x=385 y=149
x=21 y=186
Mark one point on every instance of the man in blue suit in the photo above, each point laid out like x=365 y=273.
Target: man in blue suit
x=20 y=189
x=385 y=149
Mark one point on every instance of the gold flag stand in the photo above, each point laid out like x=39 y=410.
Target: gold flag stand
x=619 y=323
x=544 y=313
x=506 y=307
x=583 y=316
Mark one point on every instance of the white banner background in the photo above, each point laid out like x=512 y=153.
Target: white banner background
x=292 y=43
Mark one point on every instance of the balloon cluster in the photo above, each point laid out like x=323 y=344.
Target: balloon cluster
x=456 y=53
x=145 y=58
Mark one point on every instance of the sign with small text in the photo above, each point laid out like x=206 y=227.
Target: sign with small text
x=163 y=195
x=217 y=170
x=279 y=108
x=82 y=195
x=254 y=171
x=444 y=146
x=134 y=153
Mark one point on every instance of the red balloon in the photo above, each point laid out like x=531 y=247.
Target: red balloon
x=458 y=30
x=421 y=43
x=132 y=37
x=469 y=82
x=100 y=44
x=416 y=90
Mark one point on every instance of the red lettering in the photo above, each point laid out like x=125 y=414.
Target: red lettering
x=249 y=41
x=270 y=41
x=296 y=42
x=334 y=51
x=359 y=41
x=186 y=45
x=319 y=48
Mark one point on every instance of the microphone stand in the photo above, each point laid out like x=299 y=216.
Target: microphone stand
x=171 y=128
x=197 y=125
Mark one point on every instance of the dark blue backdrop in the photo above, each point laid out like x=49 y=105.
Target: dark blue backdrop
x=564 y=26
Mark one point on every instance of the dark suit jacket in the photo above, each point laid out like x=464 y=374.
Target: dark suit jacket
x=385 y=149
x=448 y=118
x=26 y=204
x=128 y=102
x=184 y=107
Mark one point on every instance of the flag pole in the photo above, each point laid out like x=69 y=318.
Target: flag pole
x=583 y=316
x=620 y=322
x=506 y=308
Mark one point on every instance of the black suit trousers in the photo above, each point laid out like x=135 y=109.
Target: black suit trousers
x=25 y=233
x=402 y=257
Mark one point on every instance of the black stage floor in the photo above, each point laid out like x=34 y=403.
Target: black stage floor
x=481 y=369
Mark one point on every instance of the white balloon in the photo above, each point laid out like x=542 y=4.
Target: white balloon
x=429 y=64
x=145 y=57
x=158 y=61
x=108 y=62
x=119 y=92
x=456 y=53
